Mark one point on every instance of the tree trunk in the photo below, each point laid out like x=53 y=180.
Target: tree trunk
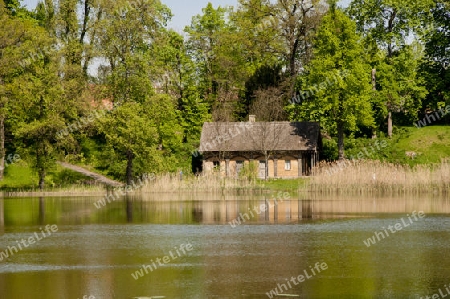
x=129 y=174
x=390 y=124
x=40 y=165
x=266 y=171
x=41 y=174
x=2 y=147
x=340 y=128
x=374 y=79
x=374 y=88
x=87 y=10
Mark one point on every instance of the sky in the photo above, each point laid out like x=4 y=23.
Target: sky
x=183 y=10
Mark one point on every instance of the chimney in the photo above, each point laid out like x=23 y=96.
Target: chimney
x=252 y=118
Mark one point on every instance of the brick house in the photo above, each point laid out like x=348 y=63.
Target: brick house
x=279 y=149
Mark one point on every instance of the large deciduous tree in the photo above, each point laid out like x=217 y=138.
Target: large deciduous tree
x=437 y=56
x=338 y=79
x=38 y=110
x=130 y=136
x=219 y=59
x=387 y=25
x=128 y=33
x=29 y=90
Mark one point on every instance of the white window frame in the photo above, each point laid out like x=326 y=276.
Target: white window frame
x=287 y=165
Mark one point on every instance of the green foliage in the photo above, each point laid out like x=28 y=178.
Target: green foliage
x=399 y=84
x=65 y=178
x=337 y=79
x=437 y=63
x=389 y=22
x=37 y=110
x=164 y=86
x=386 y=26
x=206 y=47
x=249 y=171
x=329 y=150
x=130 y=135
x=369 y=149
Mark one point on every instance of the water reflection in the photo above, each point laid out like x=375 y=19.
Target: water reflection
x=129 y=207
x=96 y=250
x=41 y=210
x=2 y=217
x=307 y=210
x=254 y=210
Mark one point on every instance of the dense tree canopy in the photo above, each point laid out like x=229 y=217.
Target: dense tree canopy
x=357 y=71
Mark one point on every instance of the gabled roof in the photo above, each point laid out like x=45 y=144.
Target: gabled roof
x=260 y=136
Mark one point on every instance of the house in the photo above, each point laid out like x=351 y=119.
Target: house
x=279 y=149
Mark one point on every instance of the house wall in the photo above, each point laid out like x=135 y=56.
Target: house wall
x=232 y=166
x=282 y=172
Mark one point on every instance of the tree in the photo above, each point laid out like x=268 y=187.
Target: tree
x=268 y=109
x=10 y=36
x=205 y=37
x=269 y=105
x=38 y=111
x=338 y=78
x=125 y=37
x=131 y=136
x=128 y=37
x=298 y=20
x=179 y=81
x=22 y=79
x=400 y=85
x=387 y=25
x=277 y=39
x=436 y=64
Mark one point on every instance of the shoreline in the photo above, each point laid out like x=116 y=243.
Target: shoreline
x=322 y=191
x=363 y=178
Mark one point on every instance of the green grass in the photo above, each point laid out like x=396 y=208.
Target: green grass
x=431 y=143
x=283 y=184
x=18 y=176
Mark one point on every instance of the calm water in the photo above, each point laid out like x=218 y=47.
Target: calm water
x=94 y=252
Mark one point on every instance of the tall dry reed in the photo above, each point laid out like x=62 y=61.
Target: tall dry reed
x=214 y=183
x=367 y=176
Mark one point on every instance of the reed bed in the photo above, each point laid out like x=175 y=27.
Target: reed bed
x=76 y=190
x=211 y=183
x=367 y=177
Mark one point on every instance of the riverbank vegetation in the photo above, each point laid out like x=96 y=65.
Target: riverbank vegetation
x=368 y=177
x=109 y=86
x=349 y=177
x=386 y=170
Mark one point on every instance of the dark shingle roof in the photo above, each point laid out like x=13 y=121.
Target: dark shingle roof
x=259 y=136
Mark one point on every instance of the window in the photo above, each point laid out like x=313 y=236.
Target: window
x=239 y=166
x=287 y=165
x=216 y=165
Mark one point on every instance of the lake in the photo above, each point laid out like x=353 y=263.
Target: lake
x=167 y=246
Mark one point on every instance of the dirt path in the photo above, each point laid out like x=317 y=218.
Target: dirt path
x=98 y=177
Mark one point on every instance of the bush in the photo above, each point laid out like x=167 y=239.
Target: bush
x=330 y=150
x=249 y=171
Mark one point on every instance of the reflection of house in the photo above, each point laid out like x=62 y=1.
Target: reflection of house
x=287 y=149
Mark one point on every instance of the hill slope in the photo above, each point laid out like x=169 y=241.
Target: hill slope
x=431 y=144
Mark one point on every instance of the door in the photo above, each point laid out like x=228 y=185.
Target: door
x=262 y=169
x=239 y=166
